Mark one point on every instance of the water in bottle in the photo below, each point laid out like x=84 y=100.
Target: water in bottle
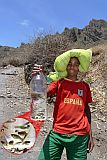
x=38 y=87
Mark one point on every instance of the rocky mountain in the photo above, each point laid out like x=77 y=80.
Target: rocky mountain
x=45 y=48
x=95 y=31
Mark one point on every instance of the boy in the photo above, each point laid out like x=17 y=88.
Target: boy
x=72 y=118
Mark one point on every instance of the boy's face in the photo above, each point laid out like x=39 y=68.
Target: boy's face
x=73 y=67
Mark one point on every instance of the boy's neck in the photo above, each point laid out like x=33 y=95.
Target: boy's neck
x=72 y=78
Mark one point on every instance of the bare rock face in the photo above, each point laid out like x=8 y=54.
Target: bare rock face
x=95 y=31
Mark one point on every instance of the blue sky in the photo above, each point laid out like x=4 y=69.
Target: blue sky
x=21 y=20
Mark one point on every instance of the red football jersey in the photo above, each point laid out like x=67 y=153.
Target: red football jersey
x=71 y=99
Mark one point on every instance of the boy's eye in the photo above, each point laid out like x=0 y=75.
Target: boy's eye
x=77 y=65
x=70 y=64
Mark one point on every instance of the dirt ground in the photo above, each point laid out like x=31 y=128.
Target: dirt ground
x=15 y=100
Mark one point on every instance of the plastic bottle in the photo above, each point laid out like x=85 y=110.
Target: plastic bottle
x=38 y=87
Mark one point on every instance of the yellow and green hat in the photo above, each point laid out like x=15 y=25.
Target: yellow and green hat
x=61 y=62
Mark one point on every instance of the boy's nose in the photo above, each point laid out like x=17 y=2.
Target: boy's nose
x=72 y=67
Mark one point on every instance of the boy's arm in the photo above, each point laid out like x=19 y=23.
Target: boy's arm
x=52 y=89
x=88 y=113
x=91 y=142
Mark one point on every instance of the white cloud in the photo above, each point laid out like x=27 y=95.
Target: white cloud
x=25 y=22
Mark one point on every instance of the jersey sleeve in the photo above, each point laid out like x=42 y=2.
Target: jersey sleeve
x=52 y=89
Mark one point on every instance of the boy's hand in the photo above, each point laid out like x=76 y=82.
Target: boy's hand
x=91 y=144
x=36 y=69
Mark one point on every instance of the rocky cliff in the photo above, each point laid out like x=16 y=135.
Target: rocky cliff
x=45 y=48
